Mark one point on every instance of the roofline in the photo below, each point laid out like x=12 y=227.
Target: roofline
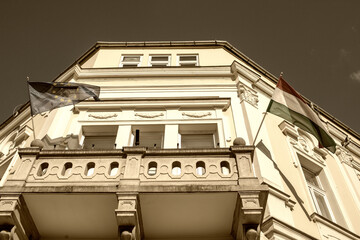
x=201 y=43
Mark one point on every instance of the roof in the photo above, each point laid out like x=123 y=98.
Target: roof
x=208 y=43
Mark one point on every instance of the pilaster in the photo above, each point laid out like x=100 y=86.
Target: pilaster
x=21 y=169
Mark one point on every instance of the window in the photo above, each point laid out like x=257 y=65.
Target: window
x=150 y=136
x=188 y=60
x=159 y=60
x=99 y=137
x=198 y=136
x=130 y=61
x=317 y=193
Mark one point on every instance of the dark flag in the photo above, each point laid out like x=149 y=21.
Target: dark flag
x=47 y=96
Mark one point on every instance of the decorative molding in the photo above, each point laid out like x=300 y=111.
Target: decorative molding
x=288 y=129
x=149 y=115
x=344 y=155
x=302 y=143
x=355 y=165
x=339 y=229
x=274 y=228
x=247 y=94
x=239 y=69
x=335 y=131
x=282 y=195
x=103 y=116
x=196 y=114
x=353 y=147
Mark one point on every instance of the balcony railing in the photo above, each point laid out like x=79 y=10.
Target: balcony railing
x=218 y=166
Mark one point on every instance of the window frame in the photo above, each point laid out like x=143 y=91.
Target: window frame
x=189 y=63
x=320 y=191
x=159 y=63
x=130 y=63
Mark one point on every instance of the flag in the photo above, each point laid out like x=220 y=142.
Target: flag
x=46 y=96
x=288 y=104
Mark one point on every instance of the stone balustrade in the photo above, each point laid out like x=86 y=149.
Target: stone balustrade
x=218 y=166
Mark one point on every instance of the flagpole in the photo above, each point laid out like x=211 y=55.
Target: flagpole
x=32 y=117
x=262 y=121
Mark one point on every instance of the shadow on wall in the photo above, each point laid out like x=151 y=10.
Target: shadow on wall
x=267 y=153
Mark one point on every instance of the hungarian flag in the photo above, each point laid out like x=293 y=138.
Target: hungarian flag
x=288 y=104
x=46 y=96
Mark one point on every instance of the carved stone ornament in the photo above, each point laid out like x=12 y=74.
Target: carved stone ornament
x=344 y=156
x=149 y=115
x=196 y=114
x=103 y=116
x=248 y=95
x=304 y=144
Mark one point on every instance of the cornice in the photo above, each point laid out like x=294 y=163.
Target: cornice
x=183 y=103
x=150 y=72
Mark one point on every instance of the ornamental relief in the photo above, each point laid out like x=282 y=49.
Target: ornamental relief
x=103 y=116
x=302 y=143
x=99 y=116
x=248 y=95
x=344 y=156
x=149 y=115
x=196 y=114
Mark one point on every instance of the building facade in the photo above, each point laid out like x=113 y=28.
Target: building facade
x=174 y=151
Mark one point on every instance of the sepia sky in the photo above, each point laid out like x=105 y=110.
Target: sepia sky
x=315 y=43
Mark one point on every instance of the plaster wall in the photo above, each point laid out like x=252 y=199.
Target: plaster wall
x=111 y=57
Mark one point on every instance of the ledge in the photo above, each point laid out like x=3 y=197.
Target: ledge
x=318 y=218
x=141 y=150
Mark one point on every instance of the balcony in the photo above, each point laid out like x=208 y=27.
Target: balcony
x=149 y=193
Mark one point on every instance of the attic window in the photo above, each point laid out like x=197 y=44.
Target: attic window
x=188 y=60
x=130 y=61
x=159 y=60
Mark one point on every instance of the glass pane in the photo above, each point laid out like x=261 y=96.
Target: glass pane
x=310 y=178
x=187 y=58
x=160 y=59
x=322 y=205
x=131 y=59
